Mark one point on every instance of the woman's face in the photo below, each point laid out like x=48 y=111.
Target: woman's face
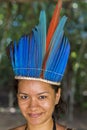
x=36 y=101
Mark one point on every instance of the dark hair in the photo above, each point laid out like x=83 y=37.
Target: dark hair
x=60 y=108
x=15 y=103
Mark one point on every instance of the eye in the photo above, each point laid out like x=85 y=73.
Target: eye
x=22 y=97
x=42 y=97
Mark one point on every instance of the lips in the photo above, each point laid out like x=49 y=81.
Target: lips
x=35 y=115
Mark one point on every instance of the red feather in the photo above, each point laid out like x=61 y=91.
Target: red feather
x=53 y=23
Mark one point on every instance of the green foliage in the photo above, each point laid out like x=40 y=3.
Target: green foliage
x=6 y=74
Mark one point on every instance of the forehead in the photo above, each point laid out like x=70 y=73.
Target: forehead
x=33 y=85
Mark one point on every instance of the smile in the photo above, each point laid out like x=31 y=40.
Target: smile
x=35 y=115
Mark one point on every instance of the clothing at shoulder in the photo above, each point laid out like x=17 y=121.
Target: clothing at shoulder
x=19 y=128
x=70 y=129
x=61 y=127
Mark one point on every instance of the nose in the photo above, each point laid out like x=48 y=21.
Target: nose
x=33 y=104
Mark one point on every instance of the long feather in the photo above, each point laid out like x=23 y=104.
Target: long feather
x=31 y=55
x=42 y=29
x=40 y=39
x=20 y=54
x=53 y=23
x=25 y=54
x=38 y=50
x=66 y=55
x=63 y=59
x=57 y=54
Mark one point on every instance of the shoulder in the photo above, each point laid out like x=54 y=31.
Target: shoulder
x=70 y=129
x=62 y=127
x=19 y=127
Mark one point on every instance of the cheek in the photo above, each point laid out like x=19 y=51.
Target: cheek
x=22 y=107
x=48 y=105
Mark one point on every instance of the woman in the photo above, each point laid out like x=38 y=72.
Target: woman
x=39 y=62
x=37 y=100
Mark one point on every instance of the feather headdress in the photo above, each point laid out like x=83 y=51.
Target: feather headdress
x=40 y=57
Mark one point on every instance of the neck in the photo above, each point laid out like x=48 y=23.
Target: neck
x=44 y=126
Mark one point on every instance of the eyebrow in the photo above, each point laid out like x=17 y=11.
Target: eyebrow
x=36 y=94
x=42 y=93
x=22 y=93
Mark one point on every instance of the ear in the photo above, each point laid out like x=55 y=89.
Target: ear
x=58 y=94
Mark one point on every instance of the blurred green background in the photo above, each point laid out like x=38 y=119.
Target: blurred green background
x=18 y=18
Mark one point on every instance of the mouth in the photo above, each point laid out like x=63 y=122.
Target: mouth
x=35 y=115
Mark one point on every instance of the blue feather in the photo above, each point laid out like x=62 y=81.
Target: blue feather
x=62 y=60
x=25 y=54
x=37 y=51
x=58 y=54
x=66 y=55
x=32 y=56
x=42 y=32
x=19 y=54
